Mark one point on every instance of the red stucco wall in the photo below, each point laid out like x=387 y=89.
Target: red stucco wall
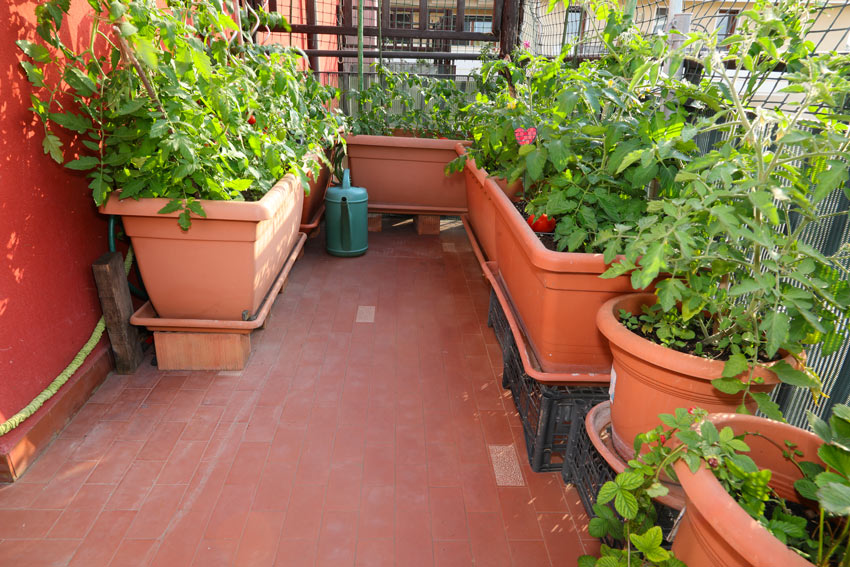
x=50 y=233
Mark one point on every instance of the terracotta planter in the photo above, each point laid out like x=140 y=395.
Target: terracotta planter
x=715 y=530
x=556 y=294
x=224 y=265
x=649 y=379
x=403 y=174
x=314 y=203
x=482 y=210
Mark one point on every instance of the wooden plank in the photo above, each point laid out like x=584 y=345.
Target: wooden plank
x=509 y=36
x=497 y=16
x=393 y=32
x=272 y=5
x=114 y=294
x=347 y=13
x=461 y=14
x=385 y=15
x=201 y=351
x=423 y=14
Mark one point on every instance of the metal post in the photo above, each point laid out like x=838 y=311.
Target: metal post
x=360 y=44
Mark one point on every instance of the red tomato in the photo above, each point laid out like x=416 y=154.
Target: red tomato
x=541 y=223
x=252 y=120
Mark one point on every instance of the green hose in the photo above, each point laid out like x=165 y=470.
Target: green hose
x=60 y=380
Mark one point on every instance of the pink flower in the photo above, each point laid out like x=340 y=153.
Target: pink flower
x=525 y=136
x=526 y=44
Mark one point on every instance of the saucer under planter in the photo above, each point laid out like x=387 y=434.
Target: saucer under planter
x=223 y=266
x=715 y=530
x=200 y=344
x=649 y=379
x=407 y=175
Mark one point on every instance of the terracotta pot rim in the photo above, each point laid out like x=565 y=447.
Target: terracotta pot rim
x=596 y=416
x=538 y=254
x=404 y=142
x=251 y=211
x=705 y=494
x=695 y=366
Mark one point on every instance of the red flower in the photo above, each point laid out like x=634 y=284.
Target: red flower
x=662 y=438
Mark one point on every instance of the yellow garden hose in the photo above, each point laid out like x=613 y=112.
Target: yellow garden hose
x=63 y=377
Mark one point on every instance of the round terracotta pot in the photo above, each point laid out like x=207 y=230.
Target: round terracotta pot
x=649 y=379
x=715 y=530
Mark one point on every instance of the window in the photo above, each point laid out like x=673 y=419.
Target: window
x=478 y=24
x=727 y=20
x=401 y=18
x=574 y=24
x=660 y=21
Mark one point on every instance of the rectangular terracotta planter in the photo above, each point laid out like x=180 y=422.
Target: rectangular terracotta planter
x=407 y=175
x=314 y=202
x=556 y=294
x=223 y=266
x=482 y=210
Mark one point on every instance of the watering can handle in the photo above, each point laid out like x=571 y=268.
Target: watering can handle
x=346 y=179
x=345 y=221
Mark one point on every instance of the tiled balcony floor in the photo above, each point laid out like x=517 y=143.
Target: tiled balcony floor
x=342 y=442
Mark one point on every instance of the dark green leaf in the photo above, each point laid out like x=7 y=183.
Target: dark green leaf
x=83 y=163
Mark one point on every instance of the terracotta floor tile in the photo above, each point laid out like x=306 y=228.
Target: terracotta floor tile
x=375 y=553
x=448 y=516
x=377 y=505
x=248 y=463
x=529 y=554
x=258 y=546
x=43 y=553
x=487 y=539
x=156 y=513
x=230 y=513
x=296 y=553
x=161 y=441
x=340 y=443
x=135 y=553
x=114 y=464
x=215 y=553
x=518 y=513
x=182 y=462
x=19 y=494
x=344 y=485
x=130 y=494
x=337 y=539
x=103 y=540
x=18 y=524
x=562 y=541
x=304 y=515
x=452 y=554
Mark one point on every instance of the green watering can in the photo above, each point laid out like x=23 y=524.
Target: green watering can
x=346 y=219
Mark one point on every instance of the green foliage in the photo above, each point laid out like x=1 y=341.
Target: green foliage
x=437 y=115
x=176 y=106
x=608 y=133
x=727 y=245
x=688 y=436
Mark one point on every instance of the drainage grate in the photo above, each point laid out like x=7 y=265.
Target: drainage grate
x=365 y=314
x=506 y=465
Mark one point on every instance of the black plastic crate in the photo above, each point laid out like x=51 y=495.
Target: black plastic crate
x=548 y=413
x=588 y=471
